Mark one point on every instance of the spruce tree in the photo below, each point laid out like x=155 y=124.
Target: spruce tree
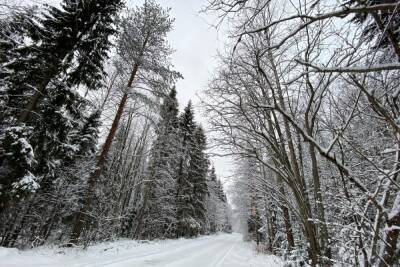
x=43 y=75
x=68 y=43
x=198 y=173
x=88 y=136
x=379 y=25
x=186 y=214
x=158 y=215
x=19 y=67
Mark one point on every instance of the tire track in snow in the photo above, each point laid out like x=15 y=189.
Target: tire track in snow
x=219 y=262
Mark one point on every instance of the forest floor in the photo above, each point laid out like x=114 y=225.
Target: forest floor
x=226 y=250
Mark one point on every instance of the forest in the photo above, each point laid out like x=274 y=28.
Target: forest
x=63 y=69
x=304 y=102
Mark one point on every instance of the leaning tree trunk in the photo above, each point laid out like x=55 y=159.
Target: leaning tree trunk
x=88 y=197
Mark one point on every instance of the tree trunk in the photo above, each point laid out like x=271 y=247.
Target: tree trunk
x=301 y=195
x=324 y=235
x=286 y=215
x=390 y=254
x=90 y=191
x=33 y=101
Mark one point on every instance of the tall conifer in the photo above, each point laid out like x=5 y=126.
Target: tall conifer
x=158 y=215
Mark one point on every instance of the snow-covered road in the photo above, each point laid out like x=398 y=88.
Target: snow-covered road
x=222 y=250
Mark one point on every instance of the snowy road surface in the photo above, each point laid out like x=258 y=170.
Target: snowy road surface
x=222 y=250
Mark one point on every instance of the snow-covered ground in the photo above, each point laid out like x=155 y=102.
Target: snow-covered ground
x=226 y=250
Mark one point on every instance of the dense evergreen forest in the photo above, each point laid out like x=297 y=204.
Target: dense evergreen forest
x=64 y=70
x=304 y=101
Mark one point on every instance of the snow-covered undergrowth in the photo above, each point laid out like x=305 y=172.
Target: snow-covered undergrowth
x=218 y=250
